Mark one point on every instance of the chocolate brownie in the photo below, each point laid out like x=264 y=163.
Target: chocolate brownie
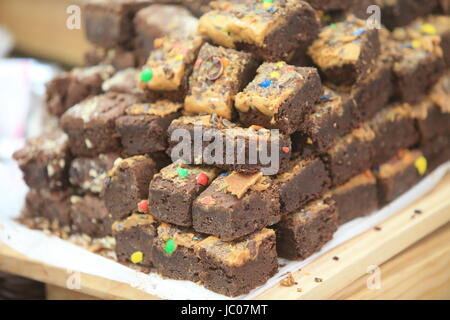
x=304 y=181
x=173 y=190
x=166 y=73
x=280 y=96
x=272 y=30
x=160 y=20
x=51 y=205
x=431 y=120
x=420 y=65
x=89 y=174
x=127 y=185
x=399 y=174
x=90 y=124
x=218 y=75
x=119 y=58
x=90 y=216
x=350 y=155
x=333 y=116
x=143 y=128
x=444 y=6
x=346 y=51
x=305 y=232
x=394 y=129
x=330 y=5
x=45 y=160
x=356 y=198
x=125 y=81
x=69 y=88
x=109 y=23
x=228 y=146
x=436 y=151
x=224 y=267
x=134 y=239
x=235 y=205
x=397 y=13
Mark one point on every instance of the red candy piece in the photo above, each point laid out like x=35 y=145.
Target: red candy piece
x=143 y=206
x=285 y=149
x=202 y=179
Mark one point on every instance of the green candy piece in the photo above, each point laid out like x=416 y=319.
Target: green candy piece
x=333 y=25
x=170 y=246
x=268 y=1
x=182 y=172
x=146 y=75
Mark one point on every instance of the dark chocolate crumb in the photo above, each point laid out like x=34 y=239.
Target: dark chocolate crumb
x=377 y=228
x=417 y=211
x=318 y=279
x=335 y=258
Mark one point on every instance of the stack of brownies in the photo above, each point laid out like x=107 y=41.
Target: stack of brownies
x=362 y=115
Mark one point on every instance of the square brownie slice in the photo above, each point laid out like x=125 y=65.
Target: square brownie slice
x=356 y=198
x=235 y=205
x=90 y=216
x=45 y=161
x=280 y=96
x=304 y=181
x=301 y=234
x=272 y=30
x=70 y=88
x=166 y=73
x=401 y=12
x=436 y=151
x=127 y=185
x=345 y=51
x=91 y=124
x=134 y=240
x=173 y=190
x=143 y=128
x=54 y=206
x=399 y=174
x=218 y=75
x=431 y=121
x=89 y=174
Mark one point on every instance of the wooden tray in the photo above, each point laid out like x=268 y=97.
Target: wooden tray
x=418 y=270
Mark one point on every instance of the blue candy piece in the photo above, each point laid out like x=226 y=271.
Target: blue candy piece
x=266 y=83
x=359 y=32
x=325 y=97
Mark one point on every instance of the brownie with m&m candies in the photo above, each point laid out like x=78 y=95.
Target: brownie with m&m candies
x=235 y=205
x=134 y=240
x=280 y=96
x=69 y=88
x=173 y=190
x=346 y=51
x=218 y=75
x=271 y=29
x=436 y=151
x=166 y=73
x=143 y=128
x=399 y=174
x=302 y=233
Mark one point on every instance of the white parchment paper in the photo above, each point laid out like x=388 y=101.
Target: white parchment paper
x=60 y=253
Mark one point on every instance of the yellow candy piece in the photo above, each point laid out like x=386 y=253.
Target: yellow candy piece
x=275 y=74
x=267 y=5
x=280 y=64
x=421 y=165
x=179 y=57
x=137 y=257
x=416 y=44
x=428 y=29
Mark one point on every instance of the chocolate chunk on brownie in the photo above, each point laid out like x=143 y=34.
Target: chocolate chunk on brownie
x=166 y=73
x=305 y=232
x=346 y=51
x=125 y=81
x=280 y=96
x=160 y=20
x=333 y=116
x=436 y=151
x=89 y=174
x=53 y=205
x=356 y=198
x=399 y=13
x=45 y=160
x=143 y=128
x=394 y=129
x=350 y=156
x=228 y=146
x=90 y=216
x=127 y=185
x=304 y=181
x=109 y=23
x=420 y=65
x=91 y=126
x=69 y=88
x=134 y=239
x=173 y=190
x=235 y=205
x=218 y=75
x=272 y=30
x=399 y=174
